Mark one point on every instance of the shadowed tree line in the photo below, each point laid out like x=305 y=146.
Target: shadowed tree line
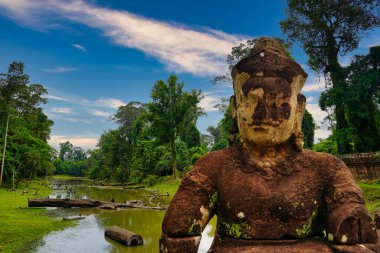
x=24 y=129
x=327 y=29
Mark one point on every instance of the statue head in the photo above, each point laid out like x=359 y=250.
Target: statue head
x=266 y=103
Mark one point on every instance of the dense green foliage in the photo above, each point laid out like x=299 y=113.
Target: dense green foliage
x=327 y=29
x=24 y=128
x=71 y=160
x=171 y=112
x=150 y=138
x=363 y=101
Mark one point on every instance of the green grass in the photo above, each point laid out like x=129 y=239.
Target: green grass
x=371 y=191
x=22 y=228
x=168 y=185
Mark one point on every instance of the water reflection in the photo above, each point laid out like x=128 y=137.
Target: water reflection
x=88 y=234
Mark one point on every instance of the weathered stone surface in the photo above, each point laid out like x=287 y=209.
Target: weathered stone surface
x=269 y=194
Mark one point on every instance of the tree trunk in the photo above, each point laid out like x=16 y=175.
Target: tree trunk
x=123 y=236
x=338 y=76
x=174 y=159
x=4 y=149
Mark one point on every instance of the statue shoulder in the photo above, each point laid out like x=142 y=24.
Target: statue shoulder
x=214 y=160
x=325 y=161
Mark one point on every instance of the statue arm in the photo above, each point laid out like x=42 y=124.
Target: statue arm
x=190 y=211
x=348 y=221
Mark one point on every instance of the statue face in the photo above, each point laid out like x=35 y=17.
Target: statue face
x=265 y=108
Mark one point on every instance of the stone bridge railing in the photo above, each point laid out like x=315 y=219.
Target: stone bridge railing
x=363 y=165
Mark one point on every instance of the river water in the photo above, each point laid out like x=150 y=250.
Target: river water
x=87 y=236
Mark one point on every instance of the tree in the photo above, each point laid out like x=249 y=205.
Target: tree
x=66 y=151
x=308 y=127
x=327 y=29
x=170 y=109
x=17 y=96
x=362 y=100
x=191 y=135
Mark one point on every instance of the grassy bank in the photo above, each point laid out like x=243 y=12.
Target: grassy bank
x=371 y=191
x=22 y=228
x=168 y=185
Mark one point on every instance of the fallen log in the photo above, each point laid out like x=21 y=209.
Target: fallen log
x=133 y=187
x=83 y=203
x=123 y=236
x=80 y=217
x=117 y=184
x=48 y=202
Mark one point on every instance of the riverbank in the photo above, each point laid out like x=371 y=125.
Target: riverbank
x=22 y=228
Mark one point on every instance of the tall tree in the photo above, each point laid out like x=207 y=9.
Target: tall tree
x=170 y=109
x=17 y=95
x=327 y=29
x=66 y=151
x=363 y=100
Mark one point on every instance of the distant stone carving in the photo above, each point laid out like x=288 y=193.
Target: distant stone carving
x=268 y=193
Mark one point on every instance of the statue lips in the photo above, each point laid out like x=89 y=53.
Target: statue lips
x=264 y=124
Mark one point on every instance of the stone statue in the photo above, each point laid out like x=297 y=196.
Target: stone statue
x=268 y=193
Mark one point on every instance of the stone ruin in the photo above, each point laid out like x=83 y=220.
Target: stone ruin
x=269 y=194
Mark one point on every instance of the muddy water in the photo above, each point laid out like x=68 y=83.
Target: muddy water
x=88 y=234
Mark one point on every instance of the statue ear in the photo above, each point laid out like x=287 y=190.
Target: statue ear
x=233 y=106
x=297 y=128
x=234 y=129
x=301 y=105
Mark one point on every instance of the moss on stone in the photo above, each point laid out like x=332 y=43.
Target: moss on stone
x=236 y=230
x=191 y=229
x=213 y=200
x=306 y=229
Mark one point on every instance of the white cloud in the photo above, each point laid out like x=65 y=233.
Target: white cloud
x=179 y=48
x=64 y=117
x=310 y=99
x=208 y=102
x=80 y=47
x=316 y=84
x=113 y=103
x=62 y=110
x=321 y=134
x=100 y=113
x=86 y=142
x=59 y=98
x=61 y=69
x=318 y=116
x=317 y=113
x=109 y=102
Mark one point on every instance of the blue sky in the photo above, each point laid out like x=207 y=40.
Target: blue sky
x=96 y=55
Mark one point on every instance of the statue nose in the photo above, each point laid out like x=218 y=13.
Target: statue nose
x=260 y=112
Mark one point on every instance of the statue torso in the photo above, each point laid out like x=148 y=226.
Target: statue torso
x=287 y=200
